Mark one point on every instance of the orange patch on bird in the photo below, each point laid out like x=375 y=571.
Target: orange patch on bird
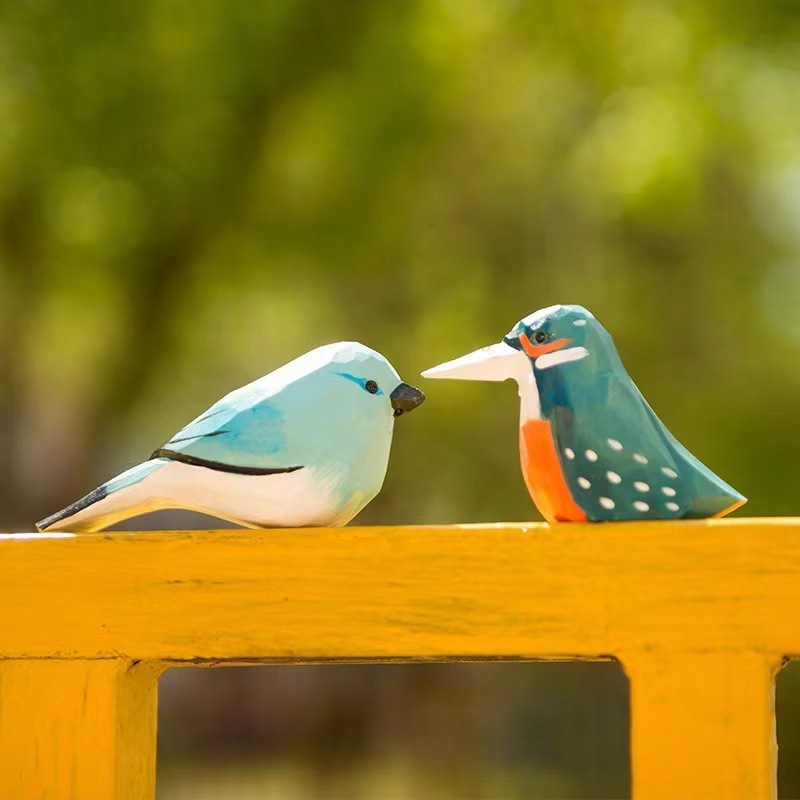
x=536 y=350
x=541 y=468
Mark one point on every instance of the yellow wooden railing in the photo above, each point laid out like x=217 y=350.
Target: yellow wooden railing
x=701 y=615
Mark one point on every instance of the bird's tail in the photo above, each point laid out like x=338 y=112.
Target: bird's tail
x=114 y=500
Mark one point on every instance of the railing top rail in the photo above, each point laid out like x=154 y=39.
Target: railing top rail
x=423 y=592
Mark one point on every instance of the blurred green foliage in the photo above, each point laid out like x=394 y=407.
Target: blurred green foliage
x=193 y=193
x=490 y=731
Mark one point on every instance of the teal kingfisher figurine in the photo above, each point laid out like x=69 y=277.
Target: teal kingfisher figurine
x=591 y=447
x=307 y=444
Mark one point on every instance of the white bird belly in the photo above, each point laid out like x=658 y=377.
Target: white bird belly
x=285 y=500
x=289 y=499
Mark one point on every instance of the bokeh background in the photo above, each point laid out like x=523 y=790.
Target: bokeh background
x=192 y=193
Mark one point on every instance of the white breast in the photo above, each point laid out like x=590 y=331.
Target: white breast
x=530 y=406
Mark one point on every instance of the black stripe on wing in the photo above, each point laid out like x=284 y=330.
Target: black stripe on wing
x=194 y=461
x=79 y=505
x=198 y=436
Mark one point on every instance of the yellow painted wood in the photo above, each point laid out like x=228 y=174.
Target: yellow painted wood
x=77 y=730
x=703 y=726
x=513 y=591
x=700 y=613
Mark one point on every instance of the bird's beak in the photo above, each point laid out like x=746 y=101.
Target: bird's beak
x=405 y=399
x=498 y=362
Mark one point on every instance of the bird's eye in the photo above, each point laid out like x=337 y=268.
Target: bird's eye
x=539 y=337
x=371 y=387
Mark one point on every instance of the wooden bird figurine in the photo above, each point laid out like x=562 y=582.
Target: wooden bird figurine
x=307 y=444
x=591 y=448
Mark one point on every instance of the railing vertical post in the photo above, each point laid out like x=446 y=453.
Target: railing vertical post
x=703 y=726
x=77 y=729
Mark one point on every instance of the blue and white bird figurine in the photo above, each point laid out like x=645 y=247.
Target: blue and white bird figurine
x=307 y=444
x=591 y=448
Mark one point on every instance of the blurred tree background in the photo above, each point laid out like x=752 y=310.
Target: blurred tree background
x=194 y=193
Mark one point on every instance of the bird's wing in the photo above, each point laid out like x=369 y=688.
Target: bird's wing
x=618 y=447
x=243 y=432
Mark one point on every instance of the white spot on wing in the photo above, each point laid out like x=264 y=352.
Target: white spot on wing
x=670 y=473
x=668 y=491
x=614 y=477
x=607 y=502
x=639 y=458
x=640 y=505
x=579 y=322
x=641 y=486
x=673 y=507
x=591 y=455
x=584 y=484
x=569 y=453
x=614 y=444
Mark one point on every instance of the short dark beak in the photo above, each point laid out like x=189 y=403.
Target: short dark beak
x=406 y=398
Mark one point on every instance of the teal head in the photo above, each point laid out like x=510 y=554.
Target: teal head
x=354 y=378
x=552 y=354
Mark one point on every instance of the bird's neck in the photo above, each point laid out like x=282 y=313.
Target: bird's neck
x=530 y=406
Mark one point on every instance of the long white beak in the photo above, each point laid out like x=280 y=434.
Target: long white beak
x=498 y=362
